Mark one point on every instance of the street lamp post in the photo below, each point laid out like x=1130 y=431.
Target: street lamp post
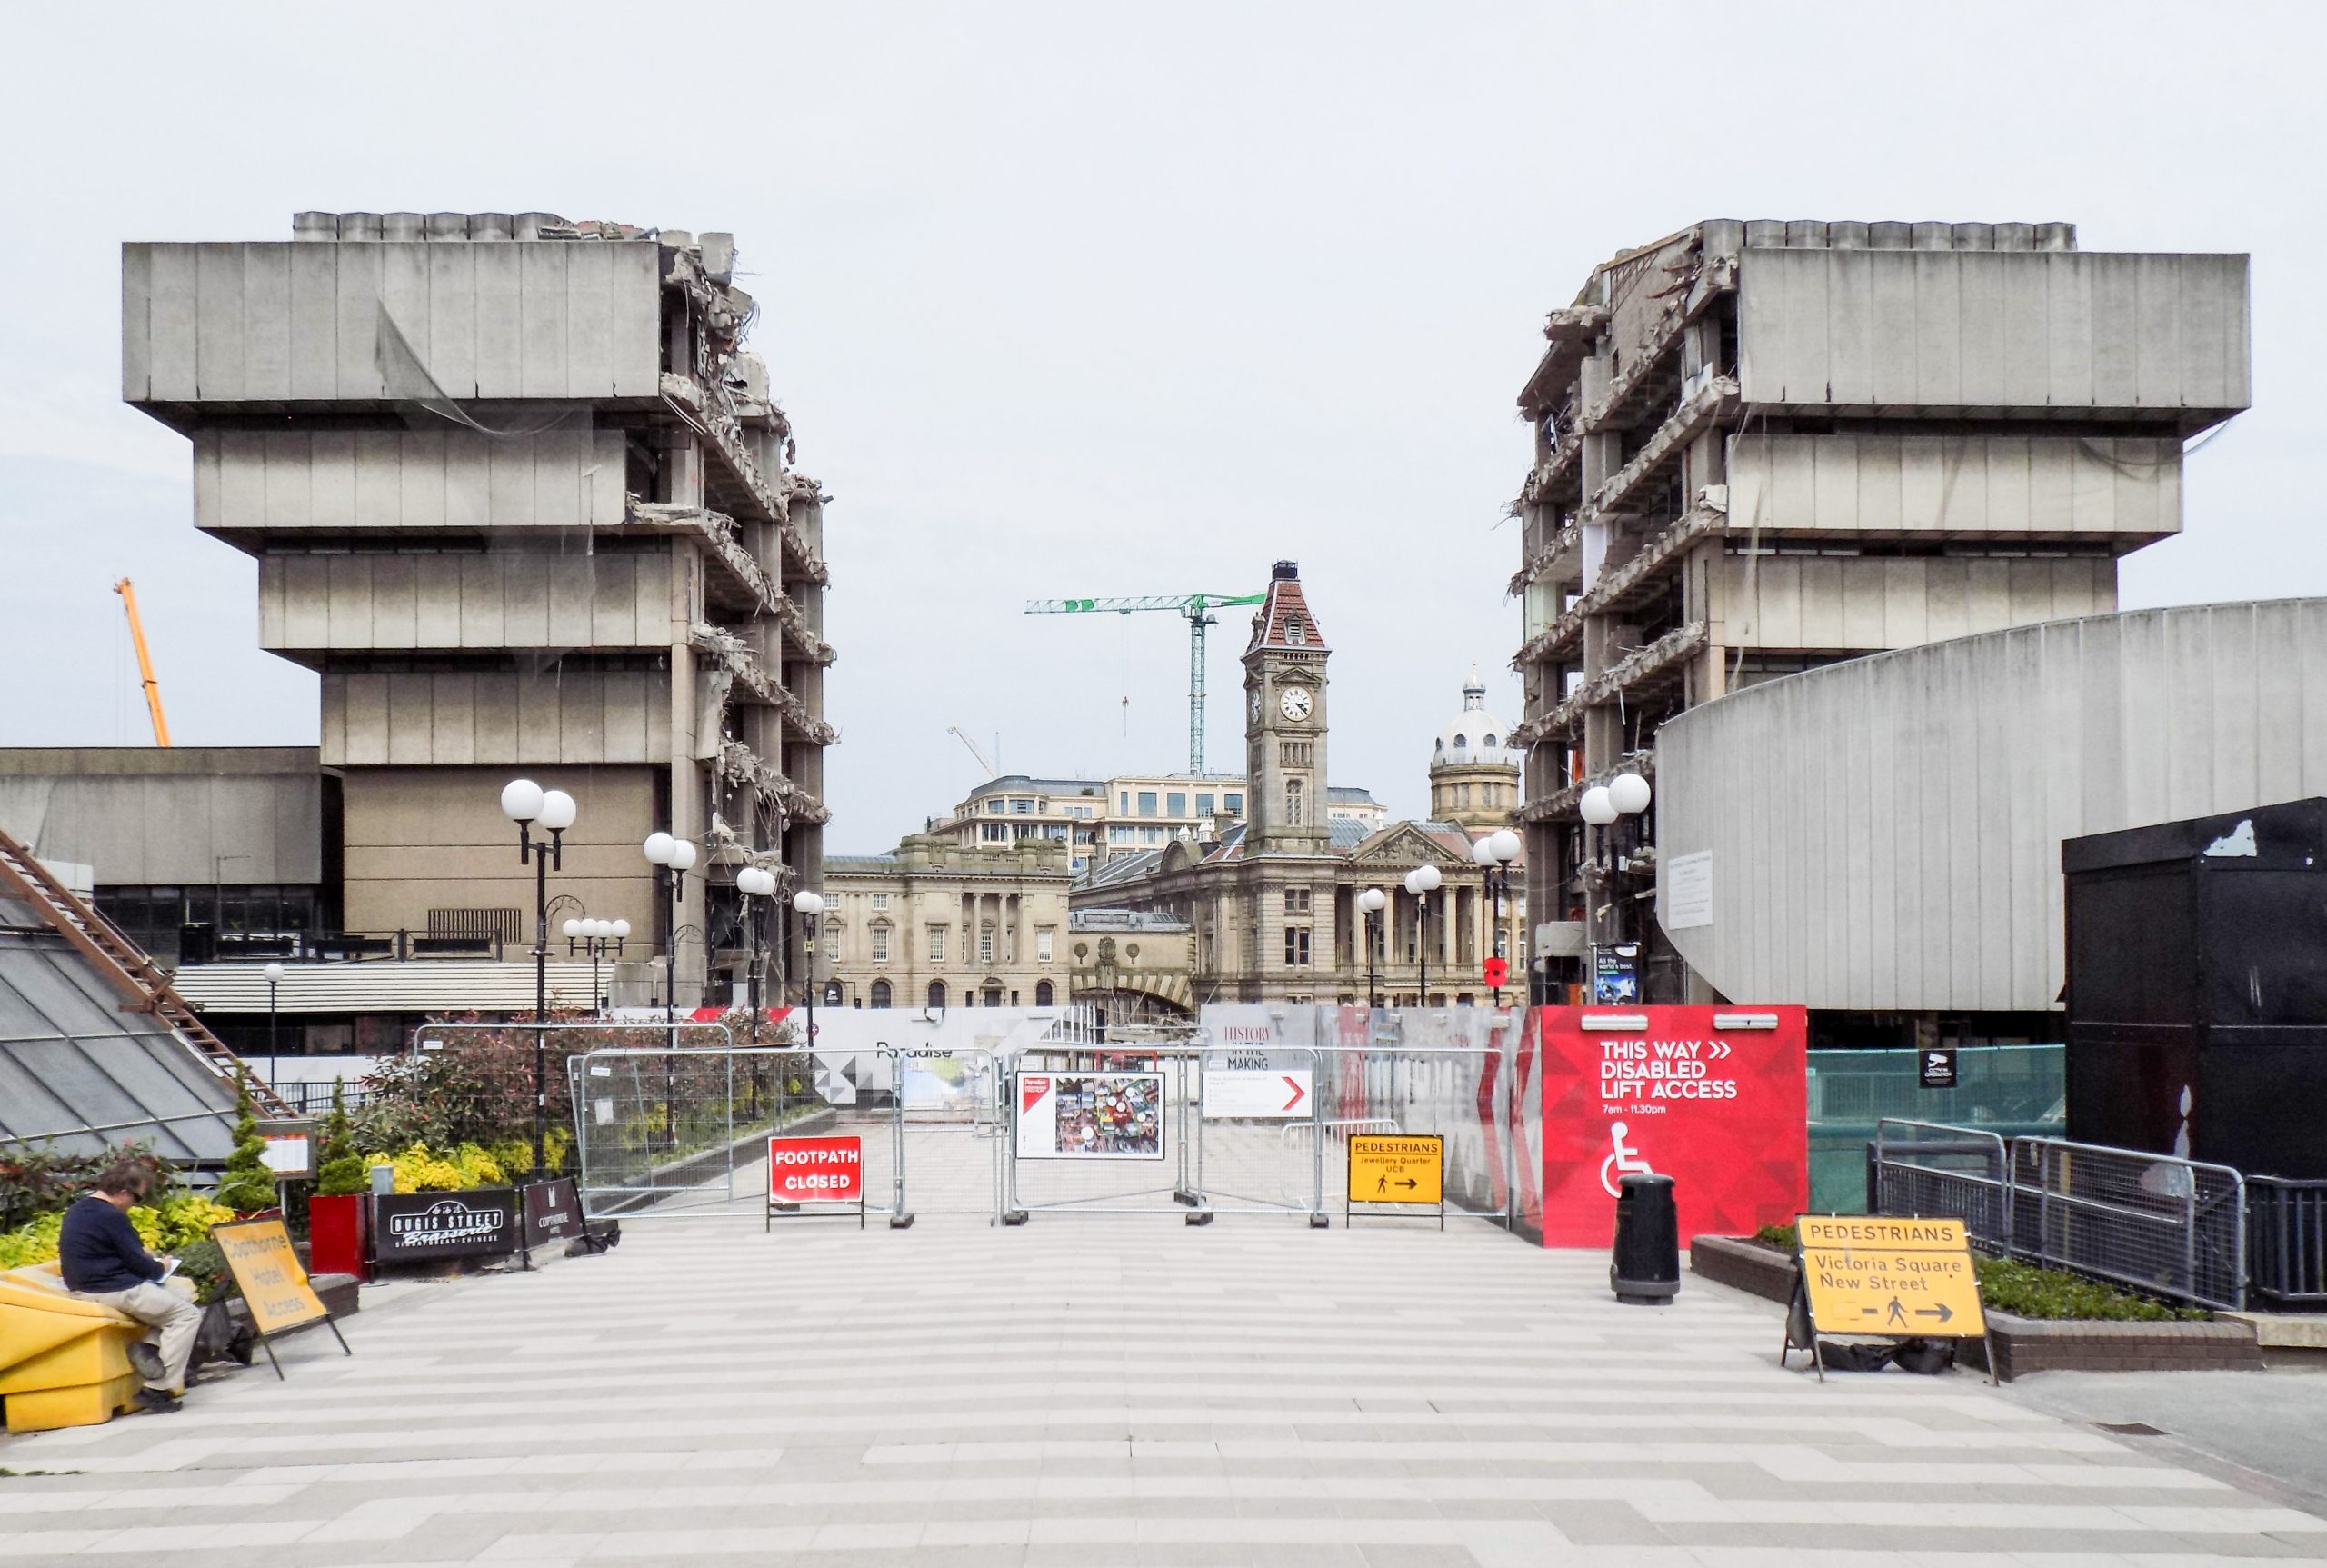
x=1421 y=881
x=274 y=972
x=1604 y=806
x=1496 y=851
x=1370 y=904
x=672 y=857
x=755 y=884
x=529 y=805
x=598 y=938
x=811 y=906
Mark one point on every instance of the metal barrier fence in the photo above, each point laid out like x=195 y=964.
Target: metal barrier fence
x=1929 y=1168
x=680 y=1133
x=2167 y=1226
x=684 y=1133
x=2286 y=1240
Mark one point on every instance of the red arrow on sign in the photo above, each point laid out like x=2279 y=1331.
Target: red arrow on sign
x=1298 y=1091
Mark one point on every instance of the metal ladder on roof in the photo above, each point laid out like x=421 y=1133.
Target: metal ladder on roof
x=143 y=982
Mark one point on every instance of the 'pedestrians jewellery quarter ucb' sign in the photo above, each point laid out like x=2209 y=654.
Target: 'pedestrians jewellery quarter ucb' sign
x=410 y=1226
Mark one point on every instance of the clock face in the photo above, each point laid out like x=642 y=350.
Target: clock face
x=1256 y=707
x=1294 y=703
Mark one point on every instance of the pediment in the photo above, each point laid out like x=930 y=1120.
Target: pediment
x=1404 y=843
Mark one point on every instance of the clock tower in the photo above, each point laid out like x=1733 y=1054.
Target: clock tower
x=1284 y=725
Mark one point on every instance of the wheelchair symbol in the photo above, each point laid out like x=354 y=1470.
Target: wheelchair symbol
x=1621 y=1160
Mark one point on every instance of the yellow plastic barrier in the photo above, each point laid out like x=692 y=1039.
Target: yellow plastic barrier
x=63 y=1362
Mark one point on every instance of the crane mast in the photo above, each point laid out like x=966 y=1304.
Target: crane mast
x=1195 y=609
x=144 y=663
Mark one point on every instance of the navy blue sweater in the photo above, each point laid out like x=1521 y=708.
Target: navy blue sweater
x=99 y=1250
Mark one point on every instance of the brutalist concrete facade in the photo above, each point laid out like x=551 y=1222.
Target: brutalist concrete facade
x=519 y=496
x=1765 y=446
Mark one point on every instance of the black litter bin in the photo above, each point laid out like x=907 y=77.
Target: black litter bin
x=1647 y=1267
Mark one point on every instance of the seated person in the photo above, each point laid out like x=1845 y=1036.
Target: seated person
x=103 y=1261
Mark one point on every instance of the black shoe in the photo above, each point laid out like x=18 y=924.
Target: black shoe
x=158 y=1400
x=146 y=1360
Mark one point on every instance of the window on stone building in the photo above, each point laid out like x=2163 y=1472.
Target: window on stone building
x=1042 y=994
x=1175 y=805
x=881 y=994
x=993 y=833
x=1296 y=901
x=1233 y=804
x=985 y=944
x=937 y=992
x=937 y=945
x=1022 y=806
x=1042 y=939
x=995 y=806
x=1147 y=802
x=1297 y=945
x=880 y=945
x=1294 y=753
x=1203 y=804
x=1122 y=803
x=880 y=901
x=1296 y=803
x=993 y=996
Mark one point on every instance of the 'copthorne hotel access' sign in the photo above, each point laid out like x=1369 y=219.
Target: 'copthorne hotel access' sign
x=407 y=1227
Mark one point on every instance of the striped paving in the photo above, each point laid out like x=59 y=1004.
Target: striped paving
x=1099 y=1392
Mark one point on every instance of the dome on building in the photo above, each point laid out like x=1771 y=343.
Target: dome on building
x=1475 y=736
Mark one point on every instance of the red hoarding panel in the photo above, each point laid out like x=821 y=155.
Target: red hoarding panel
x=815 y=1170
x=1714 y=1097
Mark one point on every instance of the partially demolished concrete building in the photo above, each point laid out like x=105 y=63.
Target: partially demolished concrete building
x=519 y=496
x=1763 y=447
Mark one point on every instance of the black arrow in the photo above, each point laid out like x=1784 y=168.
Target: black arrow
x=1939 y=1311
x=1409 y=1182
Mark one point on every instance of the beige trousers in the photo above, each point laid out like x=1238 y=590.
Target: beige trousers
x=175 y=1318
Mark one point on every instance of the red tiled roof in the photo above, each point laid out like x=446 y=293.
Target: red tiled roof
x=1284 y=617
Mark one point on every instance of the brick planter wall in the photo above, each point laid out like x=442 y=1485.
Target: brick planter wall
x=2024 y=1345
x=1745 y=1265
x=2021 y=1345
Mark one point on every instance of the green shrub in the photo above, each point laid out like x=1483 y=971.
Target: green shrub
x=1780 y=1237
x=249 y=1186
x=206 y=1266
x=2028 y=1290
x=340 y=1171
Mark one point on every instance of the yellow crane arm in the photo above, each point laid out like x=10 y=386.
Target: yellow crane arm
x=144 y=663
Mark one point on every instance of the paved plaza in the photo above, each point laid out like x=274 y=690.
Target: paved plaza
x=1097 y=1391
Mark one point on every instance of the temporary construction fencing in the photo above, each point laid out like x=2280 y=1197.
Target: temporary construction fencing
x=1059 y=1126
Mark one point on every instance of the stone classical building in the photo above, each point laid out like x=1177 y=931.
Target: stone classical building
x=1270 y=902
x=1474 y=772
x=1765 y=447
x=519 y=496
x=944 y=925
x=1102 y=818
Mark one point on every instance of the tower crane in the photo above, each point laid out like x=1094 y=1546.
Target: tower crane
x=144 y=663
x=991 y=771
x=1194 y=608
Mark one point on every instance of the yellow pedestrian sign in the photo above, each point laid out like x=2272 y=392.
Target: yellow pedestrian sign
x=1890 y=1277
x=1397 y=1168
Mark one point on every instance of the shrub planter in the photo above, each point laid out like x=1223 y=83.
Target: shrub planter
x=1745 y=1265
x=2021 y=1345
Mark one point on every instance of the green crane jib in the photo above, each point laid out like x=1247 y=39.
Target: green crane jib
x=1195 y=609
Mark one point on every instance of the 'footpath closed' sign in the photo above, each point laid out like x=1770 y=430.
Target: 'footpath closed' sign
x=815 y=1170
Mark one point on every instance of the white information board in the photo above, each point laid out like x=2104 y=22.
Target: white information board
x=1687 y=897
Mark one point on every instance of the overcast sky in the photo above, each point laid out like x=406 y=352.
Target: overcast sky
x=1106 y=299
